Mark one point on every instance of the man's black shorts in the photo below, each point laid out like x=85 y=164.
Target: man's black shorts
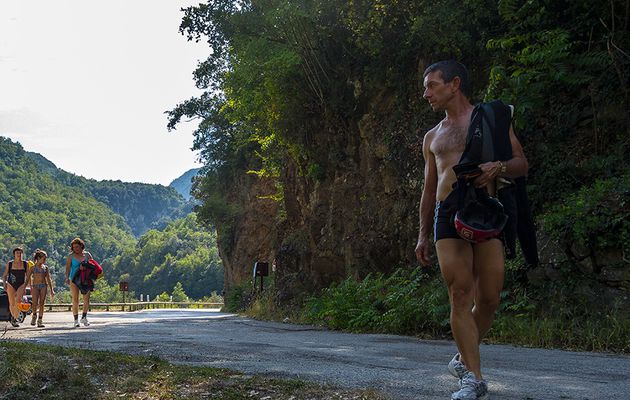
x=443 y=220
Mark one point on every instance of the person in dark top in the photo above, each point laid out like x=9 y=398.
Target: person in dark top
x=14 y=279
x=473 y=272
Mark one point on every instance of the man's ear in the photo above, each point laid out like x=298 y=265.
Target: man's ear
x=456 y=82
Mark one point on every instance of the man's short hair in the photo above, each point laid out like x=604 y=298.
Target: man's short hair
x=450 y=69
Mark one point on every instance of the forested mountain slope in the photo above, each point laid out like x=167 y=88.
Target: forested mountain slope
x=143 y=206
x=184 y=251
x=38 y=211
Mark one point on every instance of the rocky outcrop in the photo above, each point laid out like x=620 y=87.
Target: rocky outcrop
x=349 y=209
x=601 y=278
x=250 y=237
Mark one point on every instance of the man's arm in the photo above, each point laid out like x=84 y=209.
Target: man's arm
x=517 y=165
x=427 y=201
x=512 y=168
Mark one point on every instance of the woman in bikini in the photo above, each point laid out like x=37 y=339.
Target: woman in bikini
x=73 y=264
x=14 y=279
x=39 y=276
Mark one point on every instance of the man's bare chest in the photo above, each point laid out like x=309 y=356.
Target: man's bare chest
x=449 y=140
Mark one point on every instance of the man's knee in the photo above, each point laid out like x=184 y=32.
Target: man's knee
x=488 y=303
x=461 y=299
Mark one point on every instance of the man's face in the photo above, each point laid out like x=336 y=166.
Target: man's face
x=436 y=92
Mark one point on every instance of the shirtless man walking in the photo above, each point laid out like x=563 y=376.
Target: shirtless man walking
x=473 y=273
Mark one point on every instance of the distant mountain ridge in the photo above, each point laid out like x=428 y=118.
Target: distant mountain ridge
x=143 y=206
x=183 y=184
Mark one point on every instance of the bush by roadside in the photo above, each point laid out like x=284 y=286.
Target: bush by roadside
x=415 y=302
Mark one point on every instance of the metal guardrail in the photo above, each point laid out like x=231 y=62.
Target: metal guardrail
x=141 y=305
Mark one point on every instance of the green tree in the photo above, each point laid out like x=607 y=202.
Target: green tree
x=163 y=297
x=178 y=293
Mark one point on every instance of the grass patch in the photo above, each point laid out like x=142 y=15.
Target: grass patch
x=32 y=371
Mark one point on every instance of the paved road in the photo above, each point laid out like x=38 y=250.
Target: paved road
x=403 y=367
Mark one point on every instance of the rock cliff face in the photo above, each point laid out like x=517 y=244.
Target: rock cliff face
x=251 y=236
x=348 y=210
x=360 y=216
x=607 y=272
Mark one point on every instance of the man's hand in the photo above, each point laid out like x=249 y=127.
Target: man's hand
x=423 y=251
x=489 y=172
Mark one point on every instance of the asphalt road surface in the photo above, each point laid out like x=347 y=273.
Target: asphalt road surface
x=402 y=367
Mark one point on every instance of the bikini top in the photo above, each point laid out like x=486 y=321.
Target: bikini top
x=38 y=270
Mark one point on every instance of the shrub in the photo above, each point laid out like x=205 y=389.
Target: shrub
x=597 y=217
x=407 y=301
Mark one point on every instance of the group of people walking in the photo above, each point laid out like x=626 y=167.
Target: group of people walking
x=20 y=274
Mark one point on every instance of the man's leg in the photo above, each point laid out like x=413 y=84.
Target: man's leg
x=456 y=263
x=489 y=273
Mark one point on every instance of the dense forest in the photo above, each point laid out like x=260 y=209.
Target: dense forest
x=143 y=206
x=183 y=252
x=41 y=212
x=44 y=207
x=312 y=116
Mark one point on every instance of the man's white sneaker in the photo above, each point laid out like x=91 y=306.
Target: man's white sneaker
x=471 y=389
x=84 y=321
x=76 y=323
x=457 y=368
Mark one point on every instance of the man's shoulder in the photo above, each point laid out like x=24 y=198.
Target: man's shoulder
x=432 y=132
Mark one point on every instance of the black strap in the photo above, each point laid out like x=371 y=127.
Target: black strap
x=474 y=135
x=489 y=125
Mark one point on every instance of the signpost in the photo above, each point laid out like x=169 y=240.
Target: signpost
x=123 y=287
x=260 y=269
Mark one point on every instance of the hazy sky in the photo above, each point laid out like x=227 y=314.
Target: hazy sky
x=86 y=83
